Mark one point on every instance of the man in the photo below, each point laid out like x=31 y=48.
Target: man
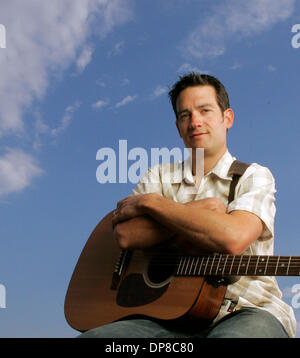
x=159 y=210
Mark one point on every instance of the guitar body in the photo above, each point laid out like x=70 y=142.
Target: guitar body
x=91 y=301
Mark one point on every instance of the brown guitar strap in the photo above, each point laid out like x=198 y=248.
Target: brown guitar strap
x=236 y=170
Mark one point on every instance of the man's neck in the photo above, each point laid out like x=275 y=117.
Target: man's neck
x=210 y=161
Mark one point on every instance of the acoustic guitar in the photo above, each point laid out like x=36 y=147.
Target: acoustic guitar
x=109 y=284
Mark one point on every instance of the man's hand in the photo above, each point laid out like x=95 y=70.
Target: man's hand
x=140 y=232
x=134 y=206
x=133 y=229
x=130 y=207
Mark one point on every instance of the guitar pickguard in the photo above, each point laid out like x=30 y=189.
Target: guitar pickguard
x=133 y=291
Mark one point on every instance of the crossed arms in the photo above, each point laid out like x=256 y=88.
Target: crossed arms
x=145 y=220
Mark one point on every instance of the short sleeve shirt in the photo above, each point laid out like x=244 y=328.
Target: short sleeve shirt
x=255 y=193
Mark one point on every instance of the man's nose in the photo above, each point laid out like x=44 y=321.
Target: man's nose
x=196 y=120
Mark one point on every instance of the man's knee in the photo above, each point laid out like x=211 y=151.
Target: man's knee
x=248 y=323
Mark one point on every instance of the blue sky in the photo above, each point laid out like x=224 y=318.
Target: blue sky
x=80 y=75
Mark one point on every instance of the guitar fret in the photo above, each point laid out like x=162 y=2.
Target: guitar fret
x=200 y=266
x=238 y=270
x=256 y=265
x=233 y=257
x=266 y=265
x=196 y=265
x=183 y=266
x=228 y=266
x=248 y=265
x=244 y=265
x=211 y=265
x=225 y=264
x=277 y=265
x=179 y=265
x=262 y=262
x=187 y=266
x=283 y=267
x=239 y=265
x=294 y=269
x=192 y=262
x=216 y=272
x=288 y=267
x=206 y=265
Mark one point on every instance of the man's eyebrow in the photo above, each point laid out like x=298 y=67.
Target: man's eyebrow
x=182 y=111
x=199 y=106
x=205 y=105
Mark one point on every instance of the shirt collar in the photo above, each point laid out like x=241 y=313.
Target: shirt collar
x=220 y=169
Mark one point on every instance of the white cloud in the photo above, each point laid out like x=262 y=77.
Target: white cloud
x=113 y=13
x=159 y=90
x=66 y=119
x=234 y=20
x=236 y=66
x=100 y=104
x=125 y=82
x=117 y=49
x=41 y=126
x=125 y=100
x=187 y=67
x=44 y=38
x=84 y=59
x=17 y=170
x=101 y=83
x=271 y=68
x=42 y=129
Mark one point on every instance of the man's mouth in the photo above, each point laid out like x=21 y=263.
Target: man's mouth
x=198 y=134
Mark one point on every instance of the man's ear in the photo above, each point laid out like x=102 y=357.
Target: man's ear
x=229 y=117
x=177 y=126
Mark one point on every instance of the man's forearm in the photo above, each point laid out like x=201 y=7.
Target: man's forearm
x=141 y=232
x=211 y=230
x=199 y=225
x=144 y=231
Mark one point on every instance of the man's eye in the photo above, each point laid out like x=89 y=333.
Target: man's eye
x=184 y=116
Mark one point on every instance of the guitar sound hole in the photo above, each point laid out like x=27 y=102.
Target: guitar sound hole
x=160 y=269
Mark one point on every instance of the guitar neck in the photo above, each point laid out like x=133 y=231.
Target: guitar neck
x=238 y=265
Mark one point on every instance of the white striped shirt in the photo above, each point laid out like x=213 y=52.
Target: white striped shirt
x=254 y=193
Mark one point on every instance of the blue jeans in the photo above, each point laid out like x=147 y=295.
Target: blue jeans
x=243 y=323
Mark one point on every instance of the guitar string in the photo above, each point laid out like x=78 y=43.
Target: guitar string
x=237 y=258
x=237 y=264
x=174 y=258
x=251 y=268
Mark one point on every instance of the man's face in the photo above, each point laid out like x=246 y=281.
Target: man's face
x=200 y=121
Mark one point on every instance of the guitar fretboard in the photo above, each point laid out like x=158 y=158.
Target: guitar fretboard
x=238 y=265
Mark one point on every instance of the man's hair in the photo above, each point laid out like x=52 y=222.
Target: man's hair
x=196 y=79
